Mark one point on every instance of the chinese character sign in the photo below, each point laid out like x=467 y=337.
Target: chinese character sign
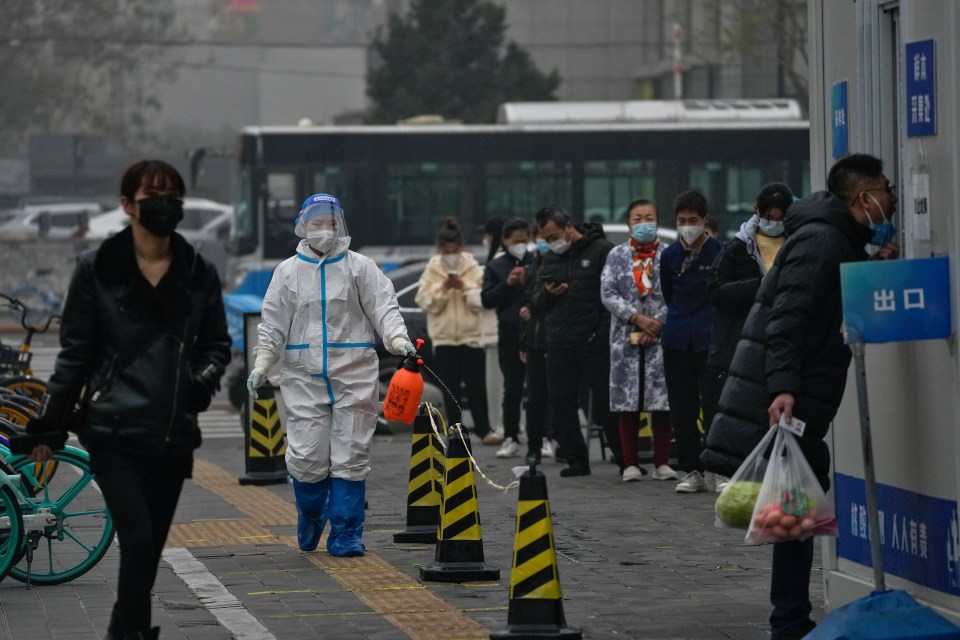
x=921 y=91
x=839 y=125
x=896 y=300
x=919 y=534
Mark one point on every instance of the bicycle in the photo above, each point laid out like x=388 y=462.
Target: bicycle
x=15 y=371
x=62 y=520
x=37 y=296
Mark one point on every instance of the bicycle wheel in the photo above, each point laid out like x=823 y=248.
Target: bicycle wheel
x=11 y=529
x=25 y=385
x=82 y=528
x=43 y=471
x=15 y=412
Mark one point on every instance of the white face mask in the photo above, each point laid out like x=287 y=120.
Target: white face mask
x=560 y=246
x=531 y=247
x=690 y=233
x=451 y=261
x=322 y=241
x=518 y=250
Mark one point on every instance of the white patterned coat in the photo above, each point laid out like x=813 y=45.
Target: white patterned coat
x=619 y=294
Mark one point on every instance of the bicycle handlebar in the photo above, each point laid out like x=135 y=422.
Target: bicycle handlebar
x=16 y=304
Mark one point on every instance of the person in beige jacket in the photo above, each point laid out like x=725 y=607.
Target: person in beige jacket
x=453 y=327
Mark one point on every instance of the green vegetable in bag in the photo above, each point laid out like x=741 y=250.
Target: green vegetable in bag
x=734 y=506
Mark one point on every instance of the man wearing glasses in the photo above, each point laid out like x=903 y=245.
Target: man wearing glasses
x=791 y=359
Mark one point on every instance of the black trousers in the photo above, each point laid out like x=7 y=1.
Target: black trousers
x=686 y=376
x=538 y=420
x=565 y=367
x=513 y=370
x=467 y=365
x=790 y=585
x=141 y=493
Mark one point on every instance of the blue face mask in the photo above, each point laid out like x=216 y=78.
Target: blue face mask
x=771 y=227
x=542 y=246
x=644 y=232
x=883 y=232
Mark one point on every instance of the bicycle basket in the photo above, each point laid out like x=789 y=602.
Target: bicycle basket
x=13 y=360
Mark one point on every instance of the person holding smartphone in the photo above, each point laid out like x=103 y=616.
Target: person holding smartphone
x=577 y=327
x=453 y=327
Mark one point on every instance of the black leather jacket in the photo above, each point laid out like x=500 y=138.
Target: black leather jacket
x=147 y=359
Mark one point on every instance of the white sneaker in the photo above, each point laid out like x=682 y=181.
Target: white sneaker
x=692 y=483
x=720 y=483
x=664 y=472
x=632 y=474
x=509 y=449
x=546 y=449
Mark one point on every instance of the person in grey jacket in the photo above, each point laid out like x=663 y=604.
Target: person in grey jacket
x=144 y=332
x=792 y=361
x=630 y=290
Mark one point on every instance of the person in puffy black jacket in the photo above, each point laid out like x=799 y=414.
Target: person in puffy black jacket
x=144 y=337
x=578 y=330
x=792 y=359
x=734 y=280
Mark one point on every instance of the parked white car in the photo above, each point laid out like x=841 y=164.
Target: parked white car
x=200 y=216
x=206 y=225
x=56 y=220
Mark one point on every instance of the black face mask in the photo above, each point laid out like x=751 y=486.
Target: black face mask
x=160 y=214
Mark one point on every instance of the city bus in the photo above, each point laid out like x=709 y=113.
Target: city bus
x=398 y=182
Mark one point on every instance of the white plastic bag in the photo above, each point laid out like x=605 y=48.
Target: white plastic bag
x=791 y=504
x=735 y=504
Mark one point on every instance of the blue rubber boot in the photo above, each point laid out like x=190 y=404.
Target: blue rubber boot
x=346 y=518
x=312 y=505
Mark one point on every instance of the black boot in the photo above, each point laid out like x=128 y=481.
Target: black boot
x=152 y=634
x=114 y=628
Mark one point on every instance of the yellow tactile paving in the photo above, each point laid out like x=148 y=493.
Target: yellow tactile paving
x=213 y=533
x=405 y=603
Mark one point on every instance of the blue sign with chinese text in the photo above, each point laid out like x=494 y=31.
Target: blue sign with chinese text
x=921 y=88
x=919 y=535
x=896 y=300
x=839 y=125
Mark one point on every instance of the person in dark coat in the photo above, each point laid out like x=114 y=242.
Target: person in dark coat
x=144 y=333
x=533 y=336
x=578 y=329
x=504 y=278
x=733 y=283
x=685 y=339
x=792 y=360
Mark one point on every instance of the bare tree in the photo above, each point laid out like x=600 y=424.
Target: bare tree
x=92 y=66
x=773 y=32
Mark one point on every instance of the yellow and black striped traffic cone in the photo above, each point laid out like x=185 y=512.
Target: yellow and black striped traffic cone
x=459 y=555
x=536 y=602
x=426 y=483
x=266 y=445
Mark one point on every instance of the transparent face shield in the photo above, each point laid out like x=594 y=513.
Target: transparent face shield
x=321 y=222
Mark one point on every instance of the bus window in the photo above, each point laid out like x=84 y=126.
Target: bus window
x=610 y=185
x=520 y=189
x=421 y=194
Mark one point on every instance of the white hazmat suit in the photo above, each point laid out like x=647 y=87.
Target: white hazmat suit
x=319 y=316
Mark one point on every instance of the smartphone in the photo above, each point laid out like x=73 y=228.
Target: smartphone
x=548 y=277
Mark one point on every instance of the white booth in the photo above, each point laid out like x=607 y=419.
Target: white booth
x=884 y=80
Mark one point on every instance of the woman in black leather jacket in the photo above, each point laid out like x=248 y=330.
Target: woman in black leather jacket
x=143 y=346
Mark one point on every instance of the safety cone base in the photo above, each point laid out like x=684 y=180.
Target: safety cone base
x=426 y=534
x=535 y=632
x=459 y=572
x=264 y=478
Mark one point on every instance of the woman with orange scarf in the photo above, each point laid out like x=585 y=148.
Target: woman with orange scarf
x=630 y=290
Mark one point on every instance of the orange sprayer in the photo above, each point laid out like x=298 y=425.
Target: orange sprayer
x=406 y=389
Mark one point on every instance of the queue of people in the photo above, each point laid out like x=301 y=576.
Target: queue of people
x=733 y=336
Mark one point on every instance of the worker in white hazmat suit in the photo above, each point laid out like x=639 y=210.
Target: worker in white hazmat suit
x=319 y=316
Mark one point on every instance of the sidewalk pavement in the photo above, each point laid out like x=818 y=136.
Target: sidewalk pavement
x=636 y=560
